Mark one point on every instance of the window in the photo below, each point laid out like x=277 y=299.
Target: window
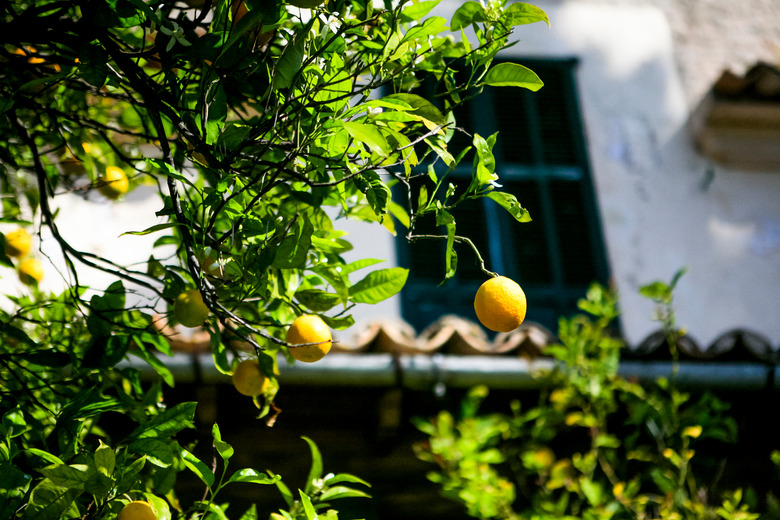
x=541 y=159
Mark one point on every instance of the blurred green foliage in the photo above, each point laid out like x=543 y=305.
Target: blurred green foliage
x=595 y=446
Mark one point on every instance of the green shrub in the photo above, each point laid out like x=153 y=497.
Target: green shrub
x=596 y=446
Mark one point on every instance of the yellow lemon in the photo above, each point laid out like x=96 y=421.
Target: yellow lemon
x=189 y=309
x=30 y=271
x=309 y=338
x=137 y=510
x=18 y=243
x=249 y=379
x=114 y=183
x=500 y=304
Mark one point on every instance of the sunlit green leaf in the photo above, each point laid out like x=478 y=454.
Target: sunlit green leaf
x=510 y=203
x=417 y=10
x=315 y=470
x=468 y=13
x=252 y=476
x=379 y=285
x=520 y=13
x=201 y=470
x=513 y=75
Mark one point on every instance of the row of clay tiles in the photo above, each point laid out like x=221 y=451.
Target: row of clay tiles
x=455 y=335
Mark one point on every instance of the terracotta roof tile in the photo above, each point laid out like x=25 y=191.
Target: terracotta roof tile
x=455 y=335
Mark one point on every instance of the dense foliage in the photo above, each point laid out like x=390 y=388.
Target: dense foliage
x=596 y=445
x=257 y=123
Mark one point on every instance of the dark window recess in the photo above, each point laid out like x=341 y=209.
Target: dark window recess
x=541 y=159
x=527 y=254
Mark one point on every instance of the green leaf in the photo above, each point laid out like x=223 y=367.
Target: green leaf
x=360 y=264
x=88 y=404
x=160 y=505
x=444 y=218
x=345 y=477
x=98 y=484
x=292 y=250
x=44 y=358
x=157 y=451
x=509 y=202
x=161 y=368
x=468 y=13
x=592 y=491
x=224 y=449
x=308 y=508
x=152 y=229
x=521 y=14
x=73 y=476
x=417 y=10
x=330 y=245
x=163 y=168
x=339 y=323
x=422 y=109
x=379 y=285
x=283 y=490
x=93 y=65
x=105 y=459
x=167 y=423
x=130 y=475
x=343 y=492
x=676 y=278
x=9 y=331
x=657 y=291
x=49 y=501
x=195 y=465
x=45 y=455
x=317 y=300
x=289 y=62
x=368 y=135
x=315 y=471
x=12 y=477
x=253 y=477
x=431 y=26
x=250 y=514
x=513 y=75
x=219 y=353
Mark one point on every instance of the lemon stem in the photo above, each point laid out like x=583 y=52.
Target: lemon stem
x=463 y=240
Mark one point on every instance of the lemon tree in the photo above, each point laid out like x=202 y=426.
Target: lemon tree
x=255 y=124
